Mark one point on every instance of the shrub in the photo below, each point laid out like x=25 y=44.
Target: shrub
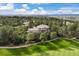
x=53 y=35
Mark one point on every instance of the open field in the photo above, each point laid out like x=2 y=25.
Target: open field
x=55 y=48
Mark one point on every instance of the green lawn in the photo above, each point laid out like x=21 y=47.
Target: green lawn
x=54 y=48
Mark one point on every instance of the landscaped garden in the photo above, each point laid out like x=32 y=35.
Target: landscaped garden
x=54 y=36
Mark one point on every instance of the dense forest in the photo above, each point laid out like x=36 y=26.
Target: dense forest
x=14 y=29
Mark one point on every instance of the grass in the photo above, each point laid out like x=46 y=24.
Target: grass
x=54 y=48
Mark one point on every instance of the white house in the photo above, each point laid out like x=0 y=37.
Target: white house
x=39 y=28
x=43 y=27
x=34 y=29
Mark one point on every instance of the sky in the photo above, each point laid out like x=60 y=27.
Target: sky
x=38 y=8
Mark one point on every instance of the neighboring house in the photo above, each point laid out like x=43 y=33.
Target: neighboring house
x=39 y=28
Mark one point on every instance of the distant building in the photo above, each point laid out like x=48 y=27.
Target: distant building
x=39 y=28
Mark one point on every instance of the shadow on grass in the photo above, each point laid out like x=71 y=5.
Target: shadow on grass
x=50 y=46
x=19 y=51
x=74 y=43
x=61 y=43
x=27 y=51
x=41 y=49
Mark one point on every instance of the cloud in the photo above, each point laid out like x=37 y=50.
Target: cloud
x=42 y=11
x=26 y=10
x=34 y=11
x=40 y=8
x=69 y=10
x=65 y=10
x=21 y=11
x=39 y=11
x=7 y=7
x=25 y=6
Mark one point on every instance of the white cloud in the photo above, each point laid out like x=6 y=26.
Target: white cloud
x=21 y=11
x=65 y=10
x=39 y=11
x=7 y=7
x=69 y=10
x=25 y=6
x=73 y=8
x=25 y=10
x=42 y=11
x=40 y=8
x=76 y=12
x=34 y=11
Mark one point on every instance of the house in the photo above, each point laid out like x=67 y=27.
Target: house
x=39 y=28
x=34 y=29
x=43 y=27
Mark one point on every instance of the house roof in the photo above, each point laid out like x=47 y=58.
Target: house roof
x=42 y=26
x=37 y=29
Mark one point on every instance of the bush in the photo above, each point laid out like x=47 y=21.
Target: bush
x=53 y=35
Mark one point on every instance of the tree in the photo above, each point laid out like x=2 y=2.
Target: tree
x=5 y=34
x=77 y=33
x=43 y=36
x=72 y=29
x=9 y=37
x=32 y=37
